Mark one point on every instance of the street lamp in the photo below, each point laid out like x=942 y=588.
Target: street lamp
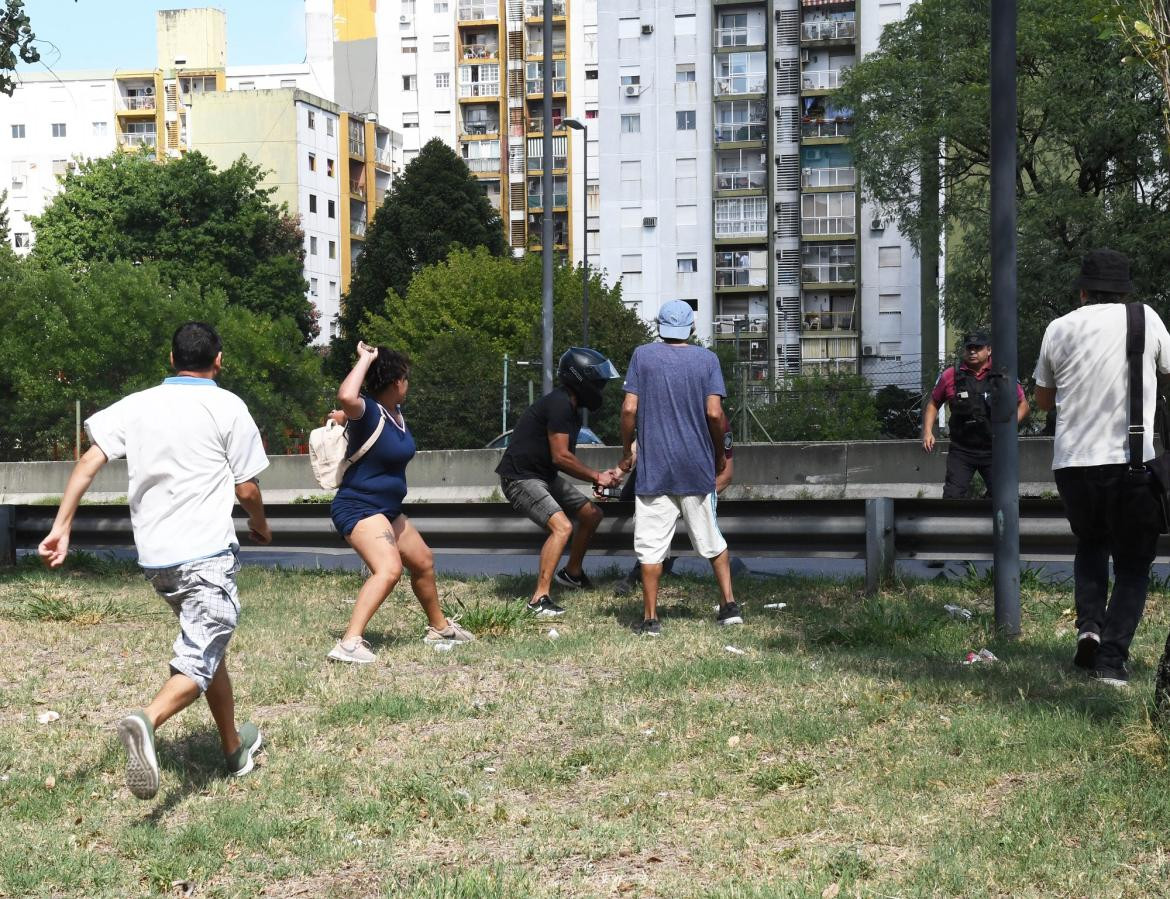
x=578 y=125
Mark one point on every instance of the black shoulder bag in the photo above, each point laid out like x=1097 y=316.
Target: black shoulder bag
x=1156 y=472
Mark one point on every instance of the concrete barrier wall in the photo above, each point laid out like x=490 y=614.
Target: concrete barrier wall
x=893 y=468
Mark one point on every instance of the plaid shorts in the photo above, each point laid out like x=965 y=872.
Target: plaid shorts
x=540 y=501
x=203 y=595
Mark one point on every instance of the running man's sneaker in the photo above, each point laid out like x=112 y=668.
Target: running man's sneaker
x=452 y=633
x=648 y=628
x=730 y=614
x=1087 y=645
x=1113 y=677
x=241 y=761
x=137 y=736
x=354 y=650
x=545 y=608
x=575 y=581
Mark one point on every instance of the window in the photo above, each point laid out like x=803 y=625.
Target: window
x=631 y=76
x=101 y=129
x=409 y=82
x=631 y=181
x=441 y=6
x=20 y=239
x=312 y=202
x=442 y=44
x=631 y=124
x=410 y=120
x=312 y=287
x=685 y=120
x=590 y=113
x=312 y=246
x=684 y=73
x=333 y=290
x=60 y=167
x=442 y=79
x=889 y=257
x=251 y=86
x=410 y=45
x=591 y=74
x=329 y=126
x=332 y=209
x=312 y=162
x=312 y=121
x=332 y=249
x=632 y=271
x=18 y=131
x=58 y=129
x=329 y=165
x=687 y=264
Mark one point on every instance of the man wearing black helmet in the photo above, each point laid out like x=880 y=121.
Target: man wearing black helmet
x=544 y=444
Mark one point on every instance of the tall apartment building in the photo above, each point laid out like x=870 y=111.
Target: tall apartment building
x=331 y=167
x=728 y=181
x=470 y=72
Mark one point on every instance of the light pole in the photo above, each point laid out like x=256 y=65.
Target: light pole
x=578 y=125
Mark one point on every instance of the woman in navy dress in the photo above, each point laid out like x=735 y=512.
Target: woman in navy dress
x=367 y=509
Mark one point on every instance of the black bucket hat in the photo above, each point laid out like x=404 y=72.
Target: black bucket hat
x=1105 y=270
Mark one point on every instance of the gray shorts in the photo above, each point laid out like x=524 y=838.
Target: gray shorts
x=203 y=595
x=541 y=501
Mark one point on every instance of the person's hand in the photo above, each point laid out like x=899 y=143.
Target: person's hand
x=722 y=480
x=366 y=352
x=928 y=441
x=607 y=479
x=627 y=462
x=259 y=531
x=336 y=415
x=54 y=548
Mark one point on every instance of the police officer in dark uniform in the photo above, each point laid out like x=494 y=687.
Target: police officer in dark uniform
x=966 y=389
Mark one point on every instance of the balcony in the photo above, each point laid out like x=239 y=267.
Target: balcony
x=484 y=165
x=560 y=198
x=741 y=84
x=479 y=51
x=742 y=228
x=739 y=132
x=828 y=226
x=827 y=321
x=357 y=148
x=741 y=180
x=357 y=189
x=754 y=326
x=741 y=277
x=823 y=79
x=479 y=12
x=139 y=139
x=138 y=104
x=536 y=85
x=535 y=10
x=382 y=156
x=836 y=128
x=831 y=30
x=843 y=176
x=481 y=127
x=732 y=37
x=357 y=228
x=536 y=124
x=479 y=89
x=536 y=163
x=536 y=48
x=829 y=273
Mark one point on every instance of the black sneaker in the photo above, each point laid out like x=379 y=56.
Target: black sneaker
x=577 y=582
x=1114 y=677
x=545 y=608
x=648 y=628
x=729 y=614
x=1087 y=645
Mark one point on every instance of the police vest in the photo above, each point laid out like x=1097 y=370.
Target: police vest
x=970 y=425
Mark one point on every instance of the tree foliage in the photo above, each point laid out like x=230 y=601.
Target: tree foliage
x=16 y=42
x=821 y=407
x=1090 y=171
x=462 y=315
x=97 y=336
x=199 y=226
x=434 y=206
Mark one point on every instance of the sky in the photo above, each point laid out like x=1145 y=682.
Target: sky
x=107 y=34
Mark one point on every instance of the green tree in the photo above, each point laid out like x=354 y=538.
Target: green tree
x=106 y=332
x=899 y=412
x=821 y=407
x=492 y=305
x=434 y=206
x=16 y=42
x=1091 y=171
x=213 y=229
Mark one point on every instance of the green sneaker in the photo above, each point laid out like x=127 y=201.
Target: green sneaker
x=137 y=736
x=240 y=762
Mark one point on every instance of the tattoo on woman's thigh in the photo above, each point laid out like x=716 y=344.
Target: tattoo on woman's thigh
x=388 y=536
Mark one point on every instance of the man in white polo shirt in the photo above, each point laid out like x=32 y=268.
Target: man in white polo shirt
x=191 y=450
x=1083 y=374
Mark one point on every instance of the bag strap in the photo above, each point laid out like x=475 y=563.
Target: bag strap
x=369 y=444
x=1135 y=346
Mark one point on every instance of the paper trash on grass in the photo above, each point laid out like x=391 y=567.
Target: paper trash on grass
x=735 y=650
x=776 y=605
x=984 y=655
x=445 y=646
x=958 y=612
x=553 y=634
x=47 y=717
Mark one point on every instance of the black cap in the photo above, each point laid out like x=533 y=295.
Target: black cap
x=976 y=338
x=1105 y=270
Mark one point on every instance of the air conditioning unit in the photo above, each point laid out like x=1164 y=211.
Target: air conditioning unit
x=867 y=351
x=403 y=19
x=632 y=90
x=148 y=92
x=650 y=221
x=647 y=29
x=878 y=224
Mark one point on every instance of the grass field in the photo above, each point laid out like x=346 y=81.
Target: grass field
x=845 y=752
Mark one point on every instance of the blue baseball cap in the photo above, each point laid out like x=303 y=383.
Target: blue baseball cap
x=675 y=320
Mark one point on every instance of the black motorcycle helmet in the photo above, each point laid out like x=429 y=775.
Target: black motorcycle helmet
x=585 y=372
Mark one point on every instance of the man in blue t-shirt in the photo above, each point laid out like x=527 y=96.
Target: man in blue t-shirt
x=674 y=392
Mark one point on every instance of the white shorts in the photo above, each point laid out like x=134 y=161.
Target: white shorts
x=655 y=518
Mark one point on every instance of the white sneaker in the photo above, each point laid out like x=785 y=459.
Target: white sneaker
x=355 y=650
x=452 y=633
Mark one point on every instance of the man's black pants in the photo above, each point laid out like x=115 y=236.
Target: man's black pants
x=961 y=467
x=1110 y=515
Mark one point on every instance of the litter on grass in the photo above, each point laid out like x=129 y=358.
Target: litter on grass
x=983 y=656
x=735 y=650
x=776 y=605
x=958 y=612
x=47 y=717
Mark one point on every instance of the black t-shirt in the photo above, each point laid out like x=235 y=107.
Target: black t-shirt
x=528 y=454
